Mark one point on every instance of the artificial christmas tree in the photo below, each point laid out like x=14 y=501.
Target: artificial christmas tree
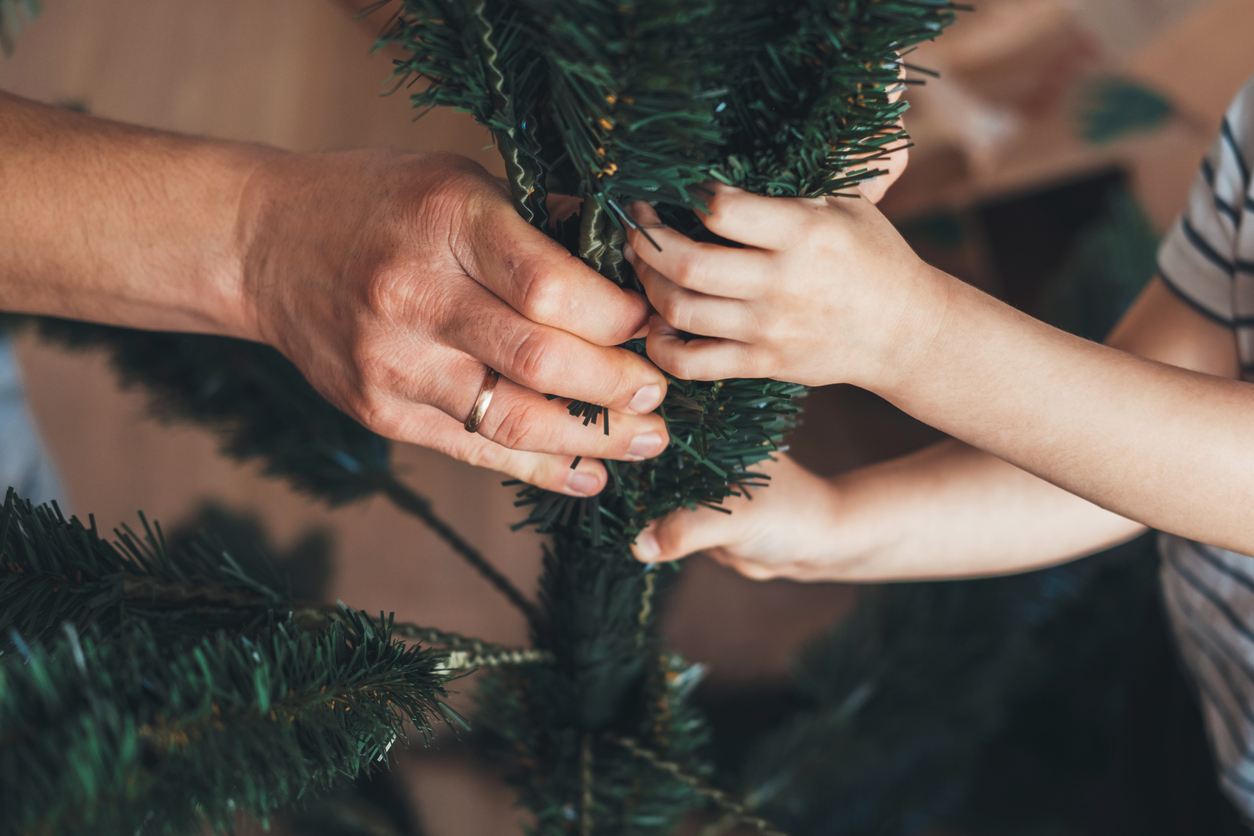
x=149 y=685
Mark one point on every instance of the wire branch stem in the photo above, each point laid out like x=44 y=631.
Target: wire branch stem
x=467 y=654
x=464 y=654
x=722 y=800
x=463 y=662
x=418 y=506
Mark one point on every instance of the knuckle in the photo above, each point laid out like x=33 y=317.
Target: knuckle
x=532 y=359
x=753 y=571
x=387 y=294
x=770 y=332
x=687 y=269
x=365 y=358
x=452 y=191
x=670 y=538
x=519 y=428
x=488 y=455
x=376 y=414
x=461 y=199
x=676 y=312
x=683 y=366
x=541 y=295
x=749 y=362
x=718 y=207
x=754 y=327
x=814 y=226
x=456 y=178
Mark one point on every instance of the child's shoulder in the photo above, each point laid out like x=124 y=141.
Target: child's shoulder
x=1238 y=124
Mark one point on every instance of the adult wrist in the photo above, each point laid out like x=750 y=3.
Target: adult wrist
x=218 y=194
x=261 y=197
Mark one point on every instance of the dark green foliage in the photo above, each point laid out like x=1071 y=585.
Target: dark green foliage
x=923 y=702
x=649 y=99
x=1118 y=107
x=374 y=805
x=196 y=692
x=719 y=431
x=252 y=397
x=1108 y=266
x=127 y=737
x=55 y=571
x=560 y=765
x=306 y=566
x=611 y=678
x=13 y=14
x=601 y=612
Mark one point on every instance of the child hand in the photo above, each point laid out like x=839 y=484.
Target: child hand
x=825 y=291
x=783 y=531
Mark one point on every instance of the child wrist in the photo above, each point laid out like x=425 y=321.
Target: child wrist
x=910 y=338
x=856 y=533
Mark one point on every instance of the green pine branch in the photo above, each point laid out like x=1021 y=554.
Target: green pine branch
x=54 y=572
x=149 y=689
x=123 y=736
x=580 y=781
x=908 y=702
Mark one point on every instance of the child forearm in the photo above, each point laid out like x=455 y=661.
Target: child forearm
x=1158 y=444
x=947 y=511
x=953 y=511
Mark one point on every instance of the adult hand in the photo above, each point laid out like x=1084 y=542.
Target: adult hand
x=392 y=280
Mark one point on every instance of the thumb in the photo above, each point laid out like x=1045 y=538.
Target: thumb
x=683 y=532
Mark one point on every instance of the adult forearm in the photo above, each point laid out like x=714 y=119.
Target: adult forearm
x=953 y=511
x=120 y=224
x=1154 y=443
x=390 y=280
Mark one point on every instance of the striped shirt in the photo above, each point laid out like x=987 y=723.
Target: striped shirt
x=1207 y=258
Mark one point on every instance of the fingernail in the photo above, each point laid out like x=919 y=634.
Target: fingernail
x=629 y=253
x=647 y=399
x=647 y=548
x=644 y=446
x=582 y=484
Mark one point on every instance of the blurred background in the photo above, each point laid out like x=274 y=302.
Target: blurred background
x=1060 y=137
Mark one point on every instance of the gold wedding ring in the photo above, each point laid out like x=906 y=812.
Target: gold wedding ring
x=490 y=377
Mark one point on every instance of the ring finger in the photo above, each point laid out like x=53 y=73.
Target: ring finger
x=521 y=419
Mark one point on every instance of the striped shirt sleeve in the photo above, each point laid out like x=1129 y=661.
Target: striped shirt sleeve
x=1198 y=257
